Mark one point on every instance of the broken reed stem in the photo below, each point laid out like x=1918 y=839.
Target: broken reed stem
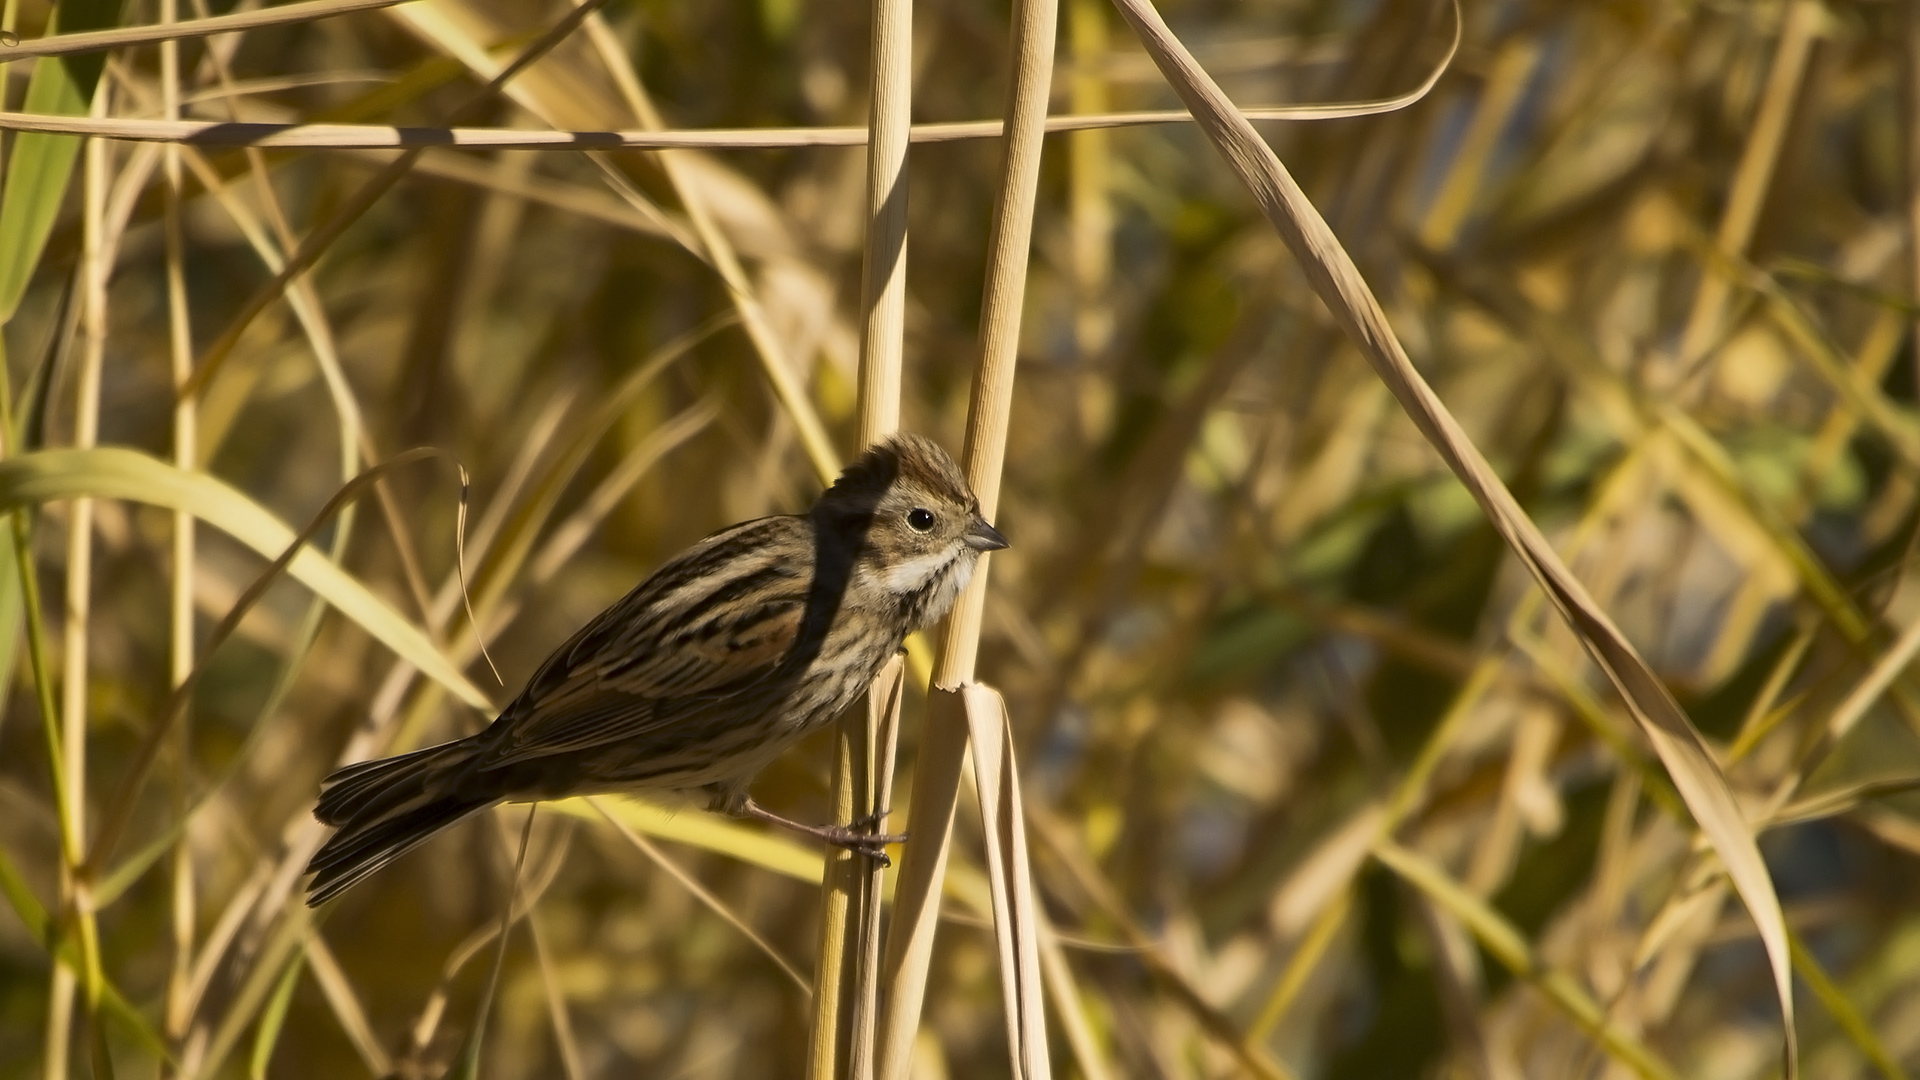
x=936 y=776
x=846 y=982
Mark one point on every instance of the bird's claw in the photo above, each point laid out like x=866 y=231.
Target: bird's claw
x=860 y=838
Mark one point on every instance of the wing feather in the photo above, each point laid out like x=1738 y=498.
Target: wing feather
x=715 y=623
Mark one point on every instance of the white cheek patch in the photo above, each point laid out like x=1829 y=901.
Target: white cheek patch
x=961 y=575
x=913 y=575
x=949 y=589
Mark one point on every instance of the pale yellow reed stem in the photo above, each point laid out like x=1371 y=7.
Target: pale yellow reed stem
x=94 y=272
x=176 y=1018
x=937 y=770
x=1759 y=160
x=846 y=982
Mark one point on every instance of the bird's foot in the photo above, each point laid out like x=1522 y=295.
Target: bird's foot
x=858 y=837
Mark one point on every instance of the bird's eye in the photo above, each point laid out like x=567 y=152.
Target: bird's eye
x=920 y=518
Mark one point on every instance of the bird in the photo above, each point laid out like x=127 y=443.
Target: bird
x=703 y=674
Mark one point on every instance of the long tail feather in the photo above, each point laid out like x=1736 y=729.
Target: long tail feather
x=366 y=789
x=384 y=809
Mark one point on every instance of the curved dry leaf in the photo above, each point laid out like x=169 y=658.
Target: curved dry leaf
x=1337 y=281
x=1015 y=913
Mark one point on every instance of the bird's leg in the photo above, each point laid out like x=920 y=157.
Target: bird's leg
x=857 y=837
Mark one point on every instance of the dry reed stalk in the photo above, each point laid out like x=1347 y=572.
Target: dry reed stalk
x=169 y=30
x=918 y=888
x=883 y=267
x=846 y=980
x=1090 y=204
x=1910 y=101
x=176 y=1017
x=883 y=278
x=1701 y=484
x=1338 y=283
x=718 y=250
x=829 y=1046
x=95 y=267
x=1502 y=95
x=867 y=754
x=324 y=136
x=1016 y=913
x=937 y=769
x=1759 y=160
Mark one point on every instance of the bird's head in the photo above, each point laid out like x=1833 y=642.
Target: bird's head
x=920 y=524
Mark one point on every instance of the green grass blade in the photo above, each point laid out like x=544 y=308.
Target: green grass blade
x=1507 y=944
x=41 y=165
x=273 y=1018
x=120 y=473
x=41 y=926
x=1841 y=1008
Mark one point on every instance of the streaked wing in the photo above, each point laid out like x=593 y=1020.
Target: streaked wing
x=712 y=624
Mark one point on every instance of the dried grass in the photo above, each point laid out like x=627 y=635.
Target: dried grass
x=1316 y=780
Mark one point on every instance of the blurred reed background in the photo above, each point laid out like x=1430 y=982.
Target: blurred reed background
x=1316 y=785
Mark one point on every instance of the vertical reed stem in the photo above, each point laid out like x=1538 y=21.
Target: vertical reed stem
x=185 y=453
x=846 y=981
x=79 y=589
x=1910 y=72
x=1090 y=206
x=937 y=769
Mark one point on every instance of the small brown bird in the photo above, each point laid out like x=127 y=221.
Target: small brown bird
x=703 y=674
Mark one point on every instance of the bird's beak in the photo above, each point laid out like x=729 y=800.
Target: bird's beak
x=984 y=537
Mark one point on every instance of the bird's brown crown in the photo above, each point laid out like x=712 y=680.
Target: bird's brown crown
x=912 y=460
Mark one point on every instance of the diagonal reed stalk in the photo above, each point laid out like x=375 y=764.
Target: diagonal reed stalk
x=713 y=245
x=1759 y=163
x=1689 y=761
x=167 y=29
